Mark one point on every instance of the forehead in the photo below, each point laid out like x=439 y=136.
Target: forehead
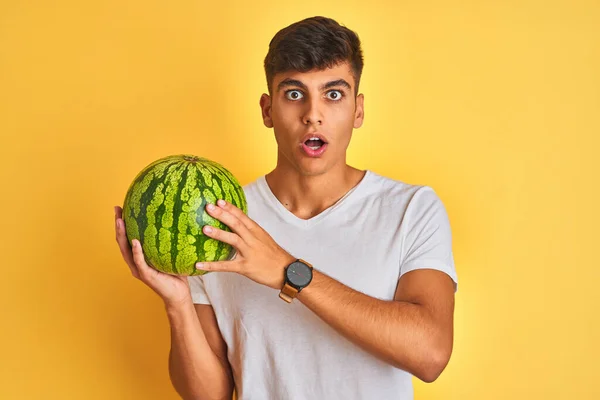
x=316 y=78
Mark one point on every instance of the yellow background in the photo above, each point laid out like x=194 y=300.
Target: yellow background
x=494 y=104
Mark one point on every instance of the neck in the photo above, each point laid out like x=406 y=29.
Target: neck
x=308 y=195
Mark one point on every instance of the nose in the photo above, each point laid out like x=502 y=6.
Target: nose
x=313 y=114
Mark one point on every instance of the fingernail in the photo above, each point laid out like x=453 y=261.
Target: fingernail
x=207 y=229
x=221 y=203
x=211 y=207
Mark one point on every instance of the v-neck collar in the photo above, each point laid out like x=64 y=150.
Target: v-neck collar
x=307 y=223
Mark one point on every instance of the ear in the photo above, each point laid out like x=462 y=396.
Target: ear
x=265 y=106
x=359 y=113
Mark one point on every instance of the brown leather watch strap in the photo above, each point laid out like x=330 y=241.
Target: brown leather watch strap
x=288 y=292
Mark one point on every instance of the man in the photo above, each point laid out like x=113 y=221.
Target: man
x=343 y=282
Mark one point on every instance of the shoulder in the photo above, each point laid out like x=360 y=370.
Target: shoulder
x=395 y=191
x=256 y=196
x=252 y=188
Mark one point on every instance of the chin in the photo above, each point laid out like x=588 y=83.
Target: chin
x=307 y=166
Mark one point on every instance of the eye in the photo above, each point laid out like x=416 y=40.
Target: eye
x=338 y=95
x=293 y=94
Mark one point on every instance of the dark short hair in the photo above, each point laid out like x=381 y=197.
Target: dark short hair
x=313 y=43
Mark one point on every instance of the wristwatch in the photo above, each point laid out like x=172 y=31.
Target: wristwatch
x=297 y=276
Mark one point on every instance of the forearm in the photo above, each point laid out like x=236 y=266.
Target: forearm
x=400 y=333
x=195 y=370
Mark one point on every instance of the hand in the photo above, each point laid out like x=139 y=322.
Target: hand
x=258 y=256
x=173 y=289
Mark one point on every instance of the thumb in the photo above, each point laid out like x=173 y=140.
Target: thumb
x=138 y=258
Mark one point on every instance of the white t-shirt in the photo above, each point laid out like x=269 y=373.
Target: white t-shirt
x=378 y=231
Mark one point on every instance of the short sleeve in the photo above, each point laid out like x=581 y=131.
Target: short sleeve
x=197 y=289
x=427 y=237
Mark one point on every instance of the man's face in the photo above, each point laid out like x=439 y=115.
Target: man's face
x=316 y=104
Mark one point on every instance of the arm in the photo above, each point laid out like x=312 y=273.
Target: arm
x=413 y=332
x=198 y=364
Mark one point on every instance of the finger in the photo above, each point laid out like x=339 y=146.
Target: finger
x=224 y=236
x=230 y=220
x=125 y=247
x=138 y=258
x=238 y=213
x=119 y=217
x=220 y=266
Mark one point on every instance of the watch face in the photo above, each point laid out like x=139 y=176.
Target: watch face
x=299 y=274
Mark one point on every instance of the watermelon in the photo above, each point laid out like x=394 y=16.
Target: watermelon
x=165 y=209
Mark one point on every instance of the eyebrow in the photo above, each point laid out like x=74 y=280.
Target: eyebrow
x=294 y=82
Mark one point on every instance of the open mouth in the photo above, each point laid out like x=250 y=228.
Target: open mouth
x=314 y=143
x=314 y=146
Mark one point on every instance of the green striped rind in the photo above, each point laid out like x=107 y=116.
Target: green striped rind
x=165 y=210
